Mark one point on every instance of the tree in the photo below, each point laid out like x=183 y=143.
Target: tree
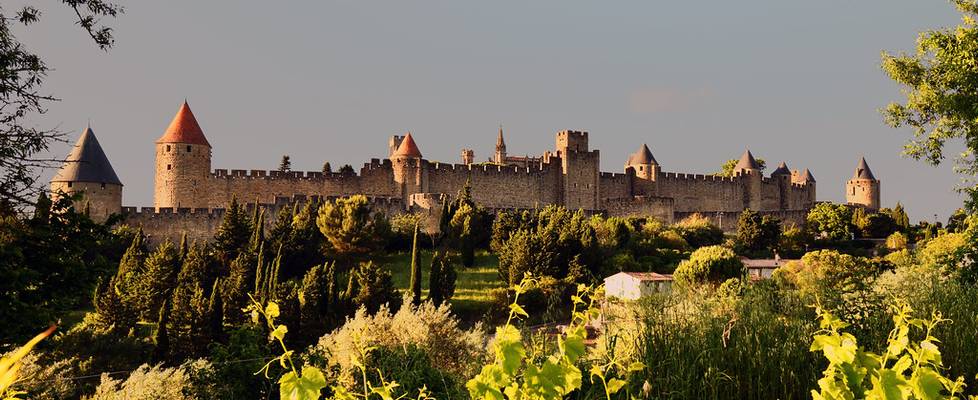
x=757 y=233
x=940 y=81
x=349 y=228
x=713 y=264
x=441 y=280
x=215 y=314
x=22 y=73
x=830 y=221
x=162 y=338
x=286 y=164
x=112 y=311
x=158 y=279
x=698 y=231
x=376 y=288
x=347 y=170
x=727 y=168
x=233 y=234
x=462 y=228
x=415 y=270
x=327 y=169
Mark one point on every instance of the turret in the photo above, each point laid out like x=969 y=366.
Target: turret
x=580 y=170
x=643 y=164
x=500 y=156
x=408 y=173
x=749 y=171
x=468 y=156
x=863 y=189
x=782 y=175
x=183 y=163
x=88 y=173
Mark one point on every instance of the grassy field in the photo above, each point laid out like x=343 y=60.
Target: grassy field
x=472 y=288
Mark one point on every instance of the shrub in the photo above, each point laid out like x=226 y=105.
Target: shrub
x=698 y=231
x=432 y=329
x=709 y=264
x=896 y=241
x=157 y=383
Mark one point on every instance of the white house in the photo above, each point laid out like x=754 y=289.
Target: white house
x=635 y=285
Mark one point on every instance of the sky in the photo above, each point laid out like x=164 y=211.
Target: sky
x=331 y=81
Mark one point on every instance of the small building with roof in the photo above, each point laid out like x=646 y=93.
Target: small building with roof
x=636 y=285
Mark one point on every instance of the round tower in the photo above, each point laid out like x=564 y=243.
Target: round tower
x=183 y=164
x=749 y=171
x=644 y=164
x=88 y=174
x=863 y=189
x=408 y=174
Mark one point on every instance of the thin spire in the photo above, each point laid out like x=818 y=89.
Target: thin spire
x=500 y=142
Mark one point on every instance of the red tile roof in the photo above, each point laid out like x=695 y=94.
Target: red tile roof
x=184 y=129
x=408 y=148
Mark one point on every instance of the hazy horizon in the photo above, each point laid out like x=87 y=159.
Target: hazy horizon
x=331 y=81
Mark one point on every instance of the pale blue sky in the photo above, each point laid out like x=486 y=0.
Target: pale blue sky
x=326 y=80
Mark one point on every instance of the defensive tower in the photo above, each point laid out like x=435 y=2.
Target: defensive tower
x=643 y=164
x=580 y=170
x=863 y=189
x=408 y=171
x=183 y=163
x=88 y=173
x=749 y=172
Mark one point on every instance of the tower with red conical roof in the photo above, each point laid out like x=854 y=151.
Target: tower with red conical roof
x=408 y=171
x=183 y=163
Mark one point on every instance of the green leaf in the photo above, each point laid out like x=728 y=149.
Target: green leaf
x=927 y=384
x=516 y=309
x=889 y=386
x=279 y=332
x=306 y=387
x=271 y=310
x=636 y=366
x=614 y=385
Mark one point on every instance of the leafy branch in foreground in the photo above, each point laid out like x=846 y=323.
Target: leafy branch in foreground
x=10 y=366
x=906 y=370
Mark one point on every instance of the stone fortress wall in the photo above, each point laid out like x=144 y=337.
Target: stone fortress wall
x=189 y=196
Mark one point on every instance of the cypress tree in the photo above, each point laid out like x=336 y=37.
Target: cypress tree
x=434 y=278
x=441 y=286
x=258 y=234
x=259 y=270
x=233 y=234
x=157 y=280
x=215 y=313
x=184 y=247
x=415 y=270
x=327 y=169
x=332 y=294
x=162 y=337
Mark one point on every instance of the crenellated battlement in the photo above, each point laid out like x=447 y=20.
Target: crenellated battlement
x=488 y=169
x=280 y=175
x=677 y=176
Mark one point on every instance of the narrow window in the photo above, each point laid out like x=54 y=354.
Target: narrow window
x=167 y=148
x=188 y=148
x=168 y=166
x=103 y=185
x=69 y=184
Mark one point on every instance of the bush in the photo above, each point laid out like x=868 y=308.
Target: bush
x=698 y=231
x=896 y=241
x=432 y=329
x=709 y=264
x=157 y=383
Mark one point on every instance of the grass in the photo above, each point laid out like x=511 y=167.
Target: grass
x=472 y=299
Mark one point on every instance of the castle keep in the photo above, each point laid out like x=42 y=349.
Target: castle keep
x=189 y=194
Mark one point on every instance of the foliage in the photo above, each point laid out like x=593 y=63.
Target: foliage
x=709 y=264
x=940 y=80
x=907 y=369
x=50 y=263
x=698 y=231
x=375 y=287
x=757 y=233
x=896 y=241
x=516 y=375
x=349 y=227
x=10 y=365
x=233 y=234
x=546 y=243
x=155 y=283
x=157 y=383
x=841 y=283
x=441 y=283
x=22 y=73
x=830 y=221
x=415 y=270
x=286 y=164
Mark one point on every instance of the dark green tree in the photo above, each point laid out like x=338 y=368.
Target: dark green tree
x=286 y=164
x=215 y=314
x=161 y=338
x=347 y=170
x=415 y=270
x=112 y=311
x=157 y=280
x=350 y=229
x=756 y=233
x=713 y=264
x=441 y=280
x=327 y=169
x=234 y=233
x=376 y=288
x=830 y=221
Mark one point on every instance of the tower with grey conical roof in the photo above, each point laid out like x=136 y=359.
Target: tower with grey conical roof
x=88 y=174
x=643 y=164
x=863 y=189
